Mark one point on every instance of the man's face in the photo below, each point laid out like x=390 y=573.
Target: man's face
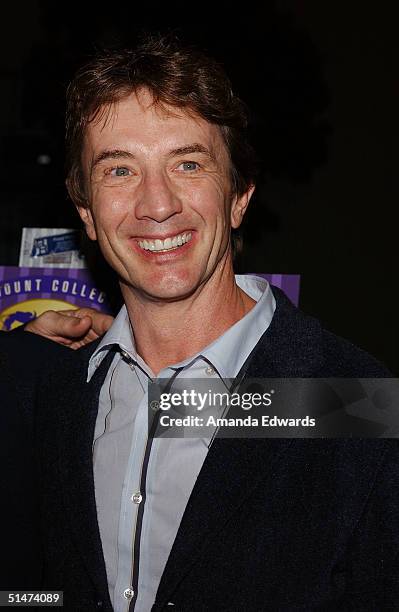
x=160 y=203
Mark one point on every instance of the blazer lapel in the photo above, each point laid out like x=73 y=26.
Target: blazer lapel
x=229 y=474
x=76 y=431
x=290 y=347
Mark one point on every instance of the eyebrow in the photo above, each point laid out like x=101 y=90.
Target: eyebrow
x=195 y=147
x=111 y=154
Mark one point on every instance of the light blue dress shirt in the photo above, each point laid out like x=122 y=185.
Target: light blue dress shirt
x=136 y=544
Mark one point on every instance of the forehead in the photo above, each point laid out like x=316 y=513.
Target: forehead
x=136 y=121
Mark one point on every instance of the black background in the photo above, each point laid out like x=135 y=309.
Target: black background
x=321 y=80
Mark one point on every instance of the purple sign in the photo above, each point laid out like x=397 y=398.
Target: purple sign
x=289 y=283
x=26 y=293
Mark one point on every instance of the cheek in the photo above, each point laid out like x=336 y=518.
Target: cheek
x=110 y=210
x=209 y=202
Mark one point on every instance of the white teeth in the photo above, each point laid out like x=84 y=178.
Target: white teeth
x=165 y=245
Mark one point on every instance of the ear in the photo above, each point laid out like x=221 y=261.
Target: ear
x=87 y=218
x=239 y=206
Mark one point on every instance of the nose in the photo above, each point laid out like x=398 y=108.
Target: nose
x=158 y=199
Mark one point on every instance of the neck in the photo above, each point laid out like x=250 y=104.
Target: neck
x=169 y=332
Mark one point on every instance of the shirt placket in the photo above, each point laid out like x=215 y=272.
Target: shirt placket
x=133 y=509
x=125 y=593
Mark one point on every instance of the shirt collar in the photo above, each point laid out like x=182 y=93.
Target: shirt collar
x=120 y=334
x=227 y=353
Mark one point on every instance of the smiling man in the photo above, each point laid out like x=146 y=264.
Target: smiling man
x=162 y=208
x=161 y=172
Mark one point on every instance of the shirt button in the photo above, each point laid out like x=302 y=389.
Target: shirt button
x=137 y=498
x=209 y=371
x=128 y=593
x=154 y=405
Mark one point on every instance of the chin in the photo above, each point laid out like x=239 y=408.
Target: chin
x=165 y=289
x=170 y=294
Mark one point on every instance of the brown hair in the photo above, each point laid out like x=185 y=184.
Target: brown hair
x=175 y=75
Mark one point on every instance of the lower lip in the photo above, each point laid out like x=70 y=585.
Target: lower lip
x=162 y=256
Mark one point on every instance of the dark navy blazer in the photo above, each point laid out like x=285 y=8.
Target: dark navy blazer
x=22 y=356
x=274 y=524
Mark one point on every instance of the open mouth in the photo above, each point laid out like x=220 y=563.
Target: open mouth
x=169 y=244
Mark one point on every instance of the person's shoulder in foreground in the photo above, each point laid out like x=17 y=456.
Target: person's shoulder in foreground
x=24 y=358
x=27 y=352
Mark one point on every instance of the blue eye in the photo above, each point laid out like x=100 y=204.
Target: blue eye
x=120 y=171
x=190 y=166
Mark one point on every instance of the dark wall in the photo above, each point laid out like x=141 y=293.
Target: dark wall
x=320 y=83
x=339 y=230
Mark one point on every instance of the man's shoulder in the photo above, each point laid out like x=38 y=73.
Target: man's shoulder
x=24 y=354
x=302 y=346
x=19 y=340
x=74 y=364
x=346 y=359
